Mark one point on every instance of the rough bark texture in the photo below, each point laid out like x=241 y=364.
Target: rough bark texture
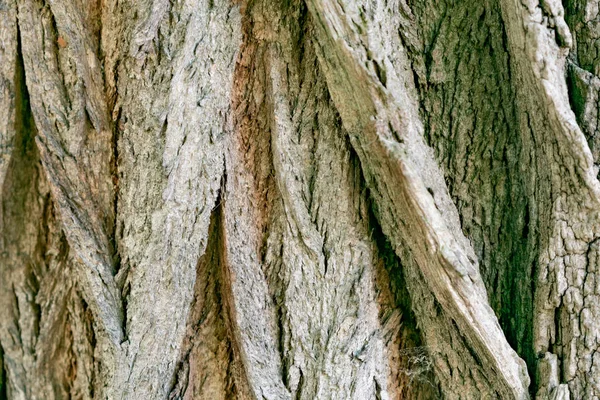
x=299 y=199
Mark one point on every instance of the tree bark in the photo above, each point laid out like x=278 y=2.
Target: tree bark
x=299 y=199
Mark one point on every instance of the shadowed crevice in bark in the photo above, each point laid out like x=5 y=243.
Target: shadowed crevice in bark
x=19 y=185
x=208 y=368
x=470 y=120
x=583 y=70
x=39 y=304
x=411 y=369
x=25 y=159
x=237 y=374
x=3 y=383
x=116 y=231
x=562 y=186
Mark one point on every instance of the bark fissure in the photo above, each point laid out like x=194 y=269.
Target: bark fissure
x=470 y=120
x=208 y=367
x=300 y=199
x=567 y=196
x=3 y=385
x=386 y=161
x=411 y=367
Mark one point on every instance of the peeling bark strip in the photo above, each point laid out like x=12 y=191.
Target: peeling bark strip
x=293 y=199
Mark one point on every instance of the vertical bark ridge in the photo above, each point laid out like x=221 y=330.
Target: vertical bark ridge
x=10 y=84
x=249 y=202
x=8 y=70
x=584 y=90
x=42 y=323
x=387 y=139
x=564 y=185
x=172 y=109
x=584 y=68
x=35 y=265
x=308 y=264
x=327 y=253
x=74 y=145
x=66 y=339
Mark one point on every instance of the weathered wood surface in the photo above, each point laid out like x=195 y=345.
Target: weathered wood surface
x=214 y=199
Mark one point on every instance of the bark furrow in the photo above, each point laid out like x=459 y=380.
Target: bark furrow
x=304 y=199
x=387 y=135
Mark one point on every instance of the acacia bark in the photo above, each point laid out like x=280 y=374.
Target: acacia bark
x=299 y=199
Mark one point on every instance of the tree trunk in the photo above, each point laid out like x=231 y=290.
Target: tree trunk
x=299 y=199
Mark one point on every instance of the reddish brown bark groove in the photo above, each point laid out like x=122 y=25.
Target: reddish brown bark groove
x=211 y=368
